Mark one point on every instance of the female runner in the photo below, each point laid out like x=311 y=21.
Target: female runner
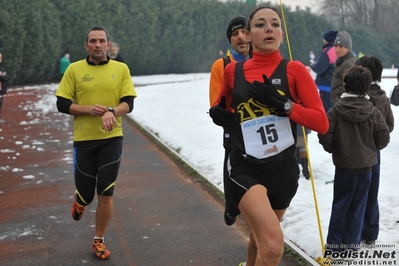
x=269 y=95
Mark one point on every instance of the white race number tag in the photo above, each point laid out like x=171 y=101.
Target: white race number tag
x=267 y=136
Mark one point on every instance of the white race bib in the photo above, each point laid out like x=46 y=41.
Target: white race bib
x=267 y=136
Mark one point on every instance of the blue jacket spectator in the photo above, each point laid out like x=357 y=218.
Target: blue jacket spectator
x=324 y=68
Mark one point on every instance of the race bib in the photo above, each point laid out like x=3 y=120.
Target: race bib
x=266 y=136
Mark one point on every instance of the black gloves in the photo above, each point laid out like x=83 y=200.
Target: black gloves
x=267 y=94
x=220 y=115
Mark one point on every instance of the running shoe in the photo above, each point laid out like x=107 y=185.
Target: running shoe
x=229 y=220
x=77 y=211
x=242 y=264
x=100 y=250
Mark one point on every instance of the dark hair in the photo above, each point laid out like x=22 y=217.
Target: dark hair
x=357 y=80
x=94 y=29
x=373 y=63
x=251 y=16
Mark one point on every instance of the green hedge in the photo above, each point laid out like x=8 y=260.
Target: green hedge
x=168 y=36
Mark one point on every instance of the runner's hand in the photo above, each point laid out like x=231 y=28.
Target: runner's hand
x=267 y=94
x=109 y=121
x=220 y=115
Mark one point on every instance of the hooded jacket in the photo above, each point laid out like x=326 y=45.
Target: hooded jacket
x=357 y=130
x=380 y=100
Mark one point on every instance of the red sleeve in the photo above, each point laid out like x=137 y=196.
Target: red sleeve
x=308 y=109
x=227 y=86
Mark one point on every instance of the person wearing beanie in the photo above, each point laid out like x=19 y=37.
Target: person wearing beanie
x=324 y=68
x=357 y=131
x=237 y=34
x=330 y=36
x=345 y=59
x=380 y=100
x=235 y=23
x=344 y=39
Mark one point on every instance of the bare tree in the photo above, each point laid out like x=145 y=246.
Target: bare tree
x=388 y=21
x=375 y=14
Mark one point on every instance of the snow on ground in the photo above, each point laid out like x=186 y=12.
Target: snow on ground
x=174 y=108
x=176 y=112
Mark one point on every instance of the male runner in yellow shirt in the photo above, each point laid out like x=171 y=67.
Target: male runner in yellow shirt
x=97 y=92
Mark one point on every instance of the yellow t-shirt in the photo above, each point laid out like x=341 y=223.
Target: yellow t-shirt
x=87 y=84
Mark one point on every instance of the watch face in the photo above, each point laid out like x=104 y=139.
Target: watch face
x=288 y=105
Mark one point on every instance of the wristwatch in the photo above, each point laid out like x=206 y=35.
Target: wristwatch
x=288 y=105
x=112 y=110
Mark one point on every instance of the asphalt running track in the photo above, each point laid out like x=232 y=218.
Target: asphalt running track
x=164 y=215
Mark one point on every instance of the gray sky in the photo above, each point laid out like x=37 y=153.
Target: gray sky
x=291 y=3
x=294 y=3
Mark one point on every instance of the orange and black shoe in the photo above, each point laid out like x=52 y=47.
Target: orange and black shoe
x=77 y=211
x=100 y=250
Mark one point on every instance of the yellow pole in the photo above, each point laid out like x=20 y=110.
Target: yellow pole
x=320 y=259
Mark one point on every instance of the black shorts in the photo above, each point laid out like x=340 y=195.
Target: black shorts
x=280 y=178
x=96 y=165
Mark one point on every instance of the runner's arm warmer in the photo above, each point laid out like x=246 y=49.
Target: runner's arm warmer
x=129 y=100
x=63 y=105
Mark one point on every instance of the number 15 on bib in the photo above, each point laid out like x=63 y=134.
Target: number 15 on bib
x=266 y=136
